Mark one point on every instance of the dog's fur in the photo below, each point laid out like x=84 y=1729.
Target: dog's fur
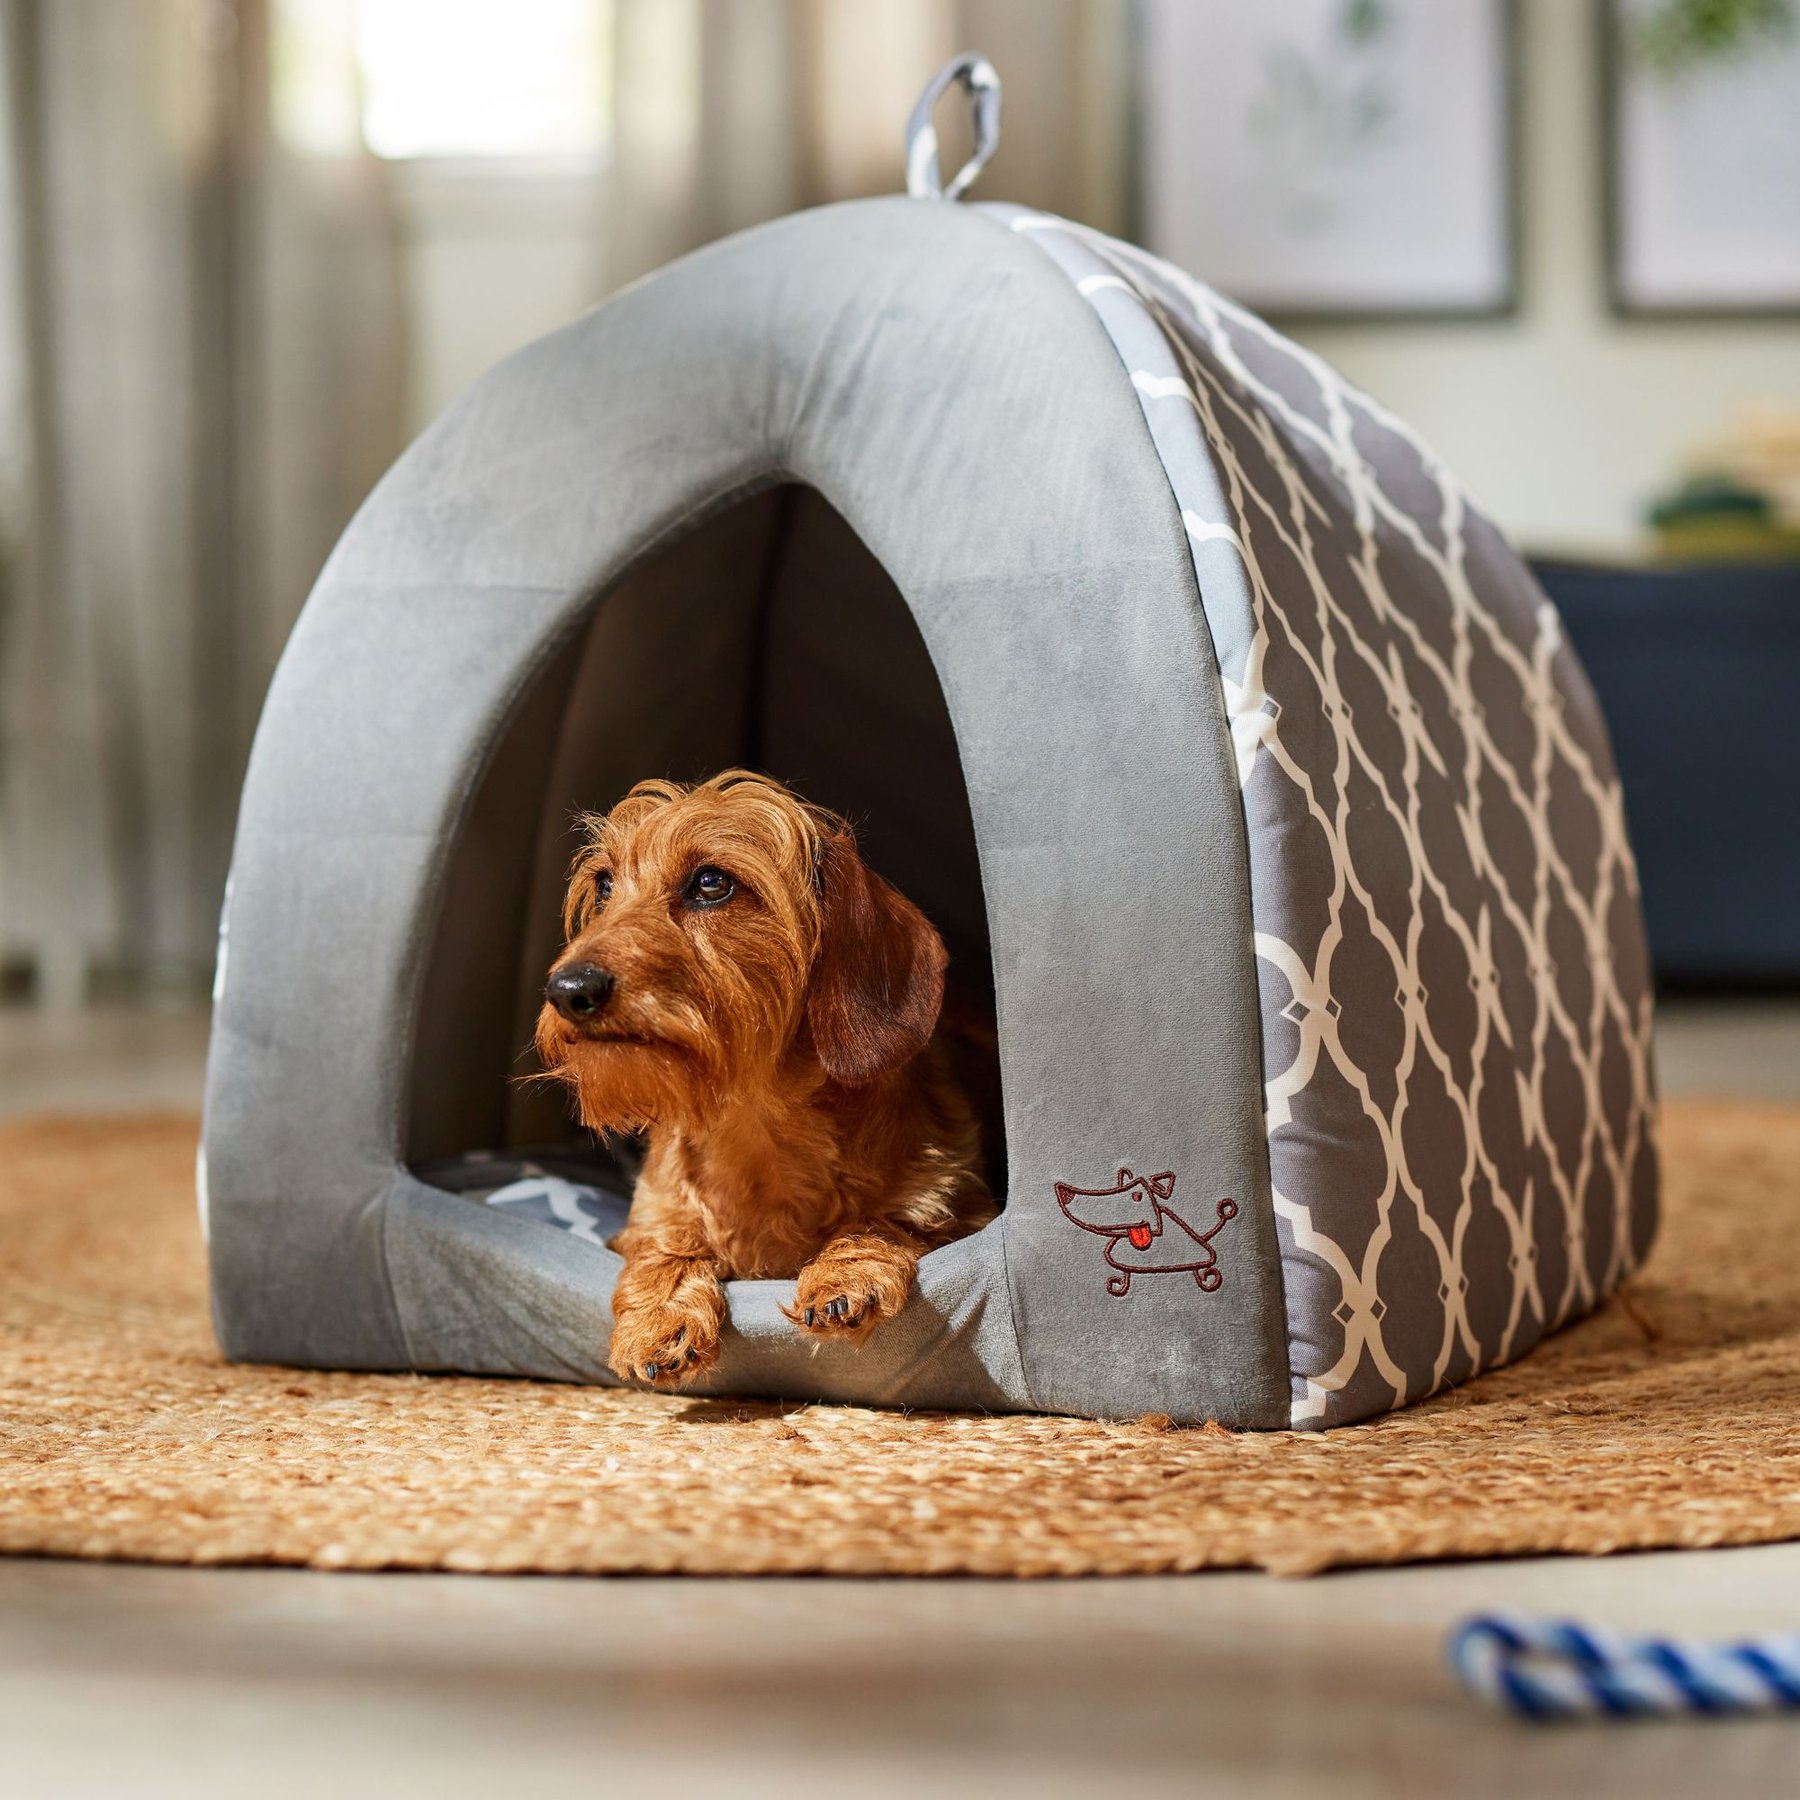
x=781 y=1050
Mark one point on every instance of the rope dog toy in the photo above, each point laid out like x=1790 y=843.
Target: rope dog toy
x=1545 y=1669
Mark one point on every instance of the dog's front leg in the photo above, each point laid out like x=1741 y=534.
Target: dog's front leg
x=668 y=1307
x=854 y=1283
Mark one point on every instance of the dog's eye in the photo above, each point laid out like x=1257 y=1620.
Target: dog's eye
x=603 y=887
x=710 y=886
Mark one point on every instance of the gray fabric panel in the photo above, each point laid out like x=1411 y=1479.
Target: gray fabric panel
x=949 y=394
x=339 y=844
x=1456 y=997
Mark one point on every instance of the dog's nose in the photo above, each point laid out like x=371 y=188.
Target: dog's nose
x=579 y=992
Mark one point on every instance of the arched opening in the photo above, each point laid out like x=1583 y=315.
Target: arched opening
x=770 y=638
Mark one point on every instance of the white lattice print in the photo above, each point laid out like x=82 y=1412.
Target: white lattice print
x=1428 y=797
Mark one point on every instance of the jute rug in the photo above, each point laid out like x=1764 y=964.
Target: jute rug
x=1672 y=1418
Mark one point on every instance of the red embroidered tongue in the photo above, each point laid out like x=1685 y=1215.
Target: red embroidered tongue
x=1140 y=1237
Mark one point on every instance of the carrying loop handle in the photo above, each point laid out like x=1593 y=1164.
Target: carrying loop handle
x=976 y=75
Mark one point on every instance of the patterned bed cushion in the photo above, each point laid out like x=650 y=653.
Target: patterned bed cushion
x=587 y=1197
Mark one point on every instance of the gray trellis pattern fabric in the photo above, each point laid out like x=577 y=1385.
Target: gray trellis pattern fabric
x=1455 y=995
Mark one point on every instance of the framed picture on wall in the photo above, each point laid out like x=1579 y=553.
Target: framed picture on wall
x=1702 y=121
x=1334 y=158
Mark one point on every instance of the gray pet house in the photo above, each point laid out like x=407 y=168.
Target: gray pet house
x=1173 y=677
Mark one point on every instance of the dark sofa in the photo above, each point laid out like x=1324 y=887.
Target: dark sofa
x=1698 y=669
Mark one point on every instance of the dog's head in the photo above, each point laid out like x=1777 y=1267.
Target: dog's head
x=1129 y=1208
x=717 y=933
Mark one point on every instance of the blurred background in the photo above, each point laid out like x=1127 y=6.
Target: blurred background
x=249 y=247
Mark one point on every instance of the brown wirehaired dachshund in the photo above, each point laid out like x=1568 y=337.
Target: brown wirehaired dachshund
x=740 y=985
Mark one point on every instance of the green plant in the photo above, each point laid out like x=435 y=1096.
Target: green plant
x=1679 y=34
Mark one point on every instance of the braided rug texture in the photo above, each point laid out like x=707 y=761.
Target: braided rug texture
x=1669 y=1418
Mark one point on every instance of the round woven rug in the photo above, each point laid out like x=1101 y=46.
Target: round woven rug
x=1671 y=1418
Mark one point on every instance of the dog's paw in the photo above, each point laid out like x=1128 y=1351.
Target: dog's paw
x=663 y=1346
x=847 y=1296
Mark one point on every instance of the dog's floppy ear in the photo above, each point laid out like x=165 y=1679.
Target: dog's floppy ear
x=878 y=981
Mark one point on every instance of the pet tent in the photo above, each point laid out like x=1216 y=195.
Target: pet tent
x=1223 y=740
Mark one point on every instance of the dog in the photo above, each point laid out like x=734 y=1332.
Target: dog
x=742 y=988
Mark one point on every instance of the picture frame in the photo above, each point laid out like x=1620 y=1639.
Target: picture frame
x=1334 y=160
x=1701 y=162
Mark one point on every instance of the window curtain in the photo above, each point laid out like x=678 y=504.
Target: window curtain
x=200 y=376
x=728 y=112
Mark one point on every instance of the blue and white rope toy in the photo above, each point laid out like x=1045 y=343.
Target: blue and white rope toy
x=1547 y=1669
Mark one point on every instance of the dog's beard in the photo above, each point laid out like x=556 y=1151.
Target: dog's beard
x=630 y=1086
x=629 y=1073
x=666 y=1061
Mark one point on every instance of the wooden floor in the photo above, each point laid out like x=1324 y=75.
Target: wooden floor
x=150 y=1682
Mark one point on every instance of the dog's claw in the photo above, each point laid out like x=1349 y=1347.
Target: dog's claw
x=846 y=1310
x=651 y=1371
x=843 y=1316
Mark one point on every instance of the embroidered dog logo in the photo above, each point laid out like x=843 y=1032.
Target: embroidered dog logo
x=1144 y=1234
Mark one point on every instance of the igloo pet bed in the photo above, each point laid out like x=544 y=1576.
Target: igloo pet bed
x=1174 y=678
